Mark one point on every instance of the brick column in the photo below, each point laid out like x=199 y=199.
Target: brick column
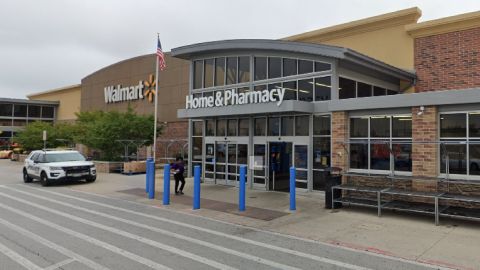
x=424 y=155
x=339 y=135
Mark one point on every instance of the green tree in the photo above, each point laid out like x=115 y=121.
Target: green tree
x=102 y=130
x=31 y=137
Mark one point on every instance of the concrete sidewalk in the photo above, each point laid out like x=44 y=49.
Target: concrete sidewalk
x=454 y=244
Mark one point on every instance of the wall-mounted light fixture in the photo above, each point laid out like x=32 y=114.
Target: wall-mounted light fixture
x=421 y=110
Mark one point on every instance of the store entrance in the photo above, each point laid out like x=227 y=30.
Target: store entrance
x=280 y=160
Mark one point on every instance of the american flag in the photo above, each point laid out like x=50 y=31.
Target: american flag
x=161 y=57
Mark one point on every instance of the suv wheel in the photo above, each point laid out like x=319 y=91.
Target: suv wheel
x=91 y=179
x=26 y=178
x=44 y=179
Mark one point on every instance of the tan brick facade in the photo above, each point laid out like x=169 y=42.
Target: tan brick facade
x=448 y=61
x=339 y=136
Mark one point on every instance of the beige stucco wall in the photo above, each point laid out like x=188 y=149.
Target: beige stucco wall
x=69 y=98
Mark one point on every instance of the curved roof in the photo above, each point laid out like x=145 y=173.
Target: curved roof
x=343 y=54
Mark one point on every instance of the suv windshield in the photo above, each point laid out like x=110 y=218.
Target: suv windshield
x=61 y=157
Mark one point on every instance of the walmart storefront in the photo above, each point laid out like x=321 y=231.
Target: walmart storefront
x=268 y=103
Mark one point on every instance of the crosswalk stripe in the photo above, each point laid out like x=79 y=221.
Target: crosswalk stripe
x=169 y=233
x=240 y=239
x=50 y=244
x=18 y=258
x=59 y=264
x=89 y=239
x=156 y=244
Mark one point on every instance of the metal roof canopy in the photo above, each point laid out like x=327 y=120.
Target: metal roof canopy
x=346 y=57
x=28 y=101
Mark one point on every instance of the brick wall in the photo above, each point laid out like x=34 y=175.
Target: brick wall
x=339 y=135
x=448 y=61
x=175 y=134
x=424 y=155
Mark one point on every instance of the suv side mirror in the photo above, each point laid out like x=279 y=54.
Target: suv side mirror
x=89 y=158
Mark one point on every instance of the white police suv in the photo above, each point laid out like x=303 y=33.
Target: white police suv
x=50 y=166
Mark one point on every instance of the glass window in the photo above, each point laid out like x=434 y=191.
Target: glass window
x=321 y=152
x=19 y=122
x=243 y=127
x=231 y=70
x=243 y=69
x=221 y=127
x=319 y=179
x=401 y=126
x=210 y=127
x=20 y=110
x=221 y=154
x=391 y=92
x=34 y=111
x=6 y=109
x=232 y=127
x=289 y=67
x=457 y=155
x=474 y=157
x=197 y=74
x=473 y=124
x=302 y=125
x=260 y=67
x=359 y=155
x=259 y=153
x=220 y=71
x=379 y=155
x=403 y=156
x=364 y=90
x=346 y=88
x=259 y=124
x=197 y=148
x=305 y=90
x=378 y=91
x=232 y=153
x=359 y=127
x=197 y=127
x=287 y=126
x=380 y=126
x=274 y=67
x=290 y=90
x=273 y=126
x=301 y=157
x=305 y=66
x=320 y=66
x=242 y=154
x=323 y=88
x=208 y=78
x=321 y=125
x=453 y=125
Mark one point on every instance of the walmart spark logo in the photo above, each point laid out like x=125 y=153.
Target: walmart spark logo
x=150 y=88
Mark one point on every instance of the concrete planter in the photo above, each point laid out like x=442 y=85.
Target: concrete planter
x=109 y=166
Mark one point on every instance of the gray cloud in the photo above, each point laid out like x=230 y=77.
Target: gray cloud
x=50 y=43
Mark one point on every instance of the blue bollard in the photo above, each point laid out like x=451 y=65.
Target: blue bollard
x=151 y=180
x=147 y=176
x=166 y=184
x=241 y=196
x=292 y=189
x=196 y=188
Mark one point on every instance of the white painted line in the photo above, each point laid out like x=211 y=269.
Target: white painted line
x=89 y=239
x=244 y=240
x=432 y=266
x=59 y=264
x=142 y=260
x=47 y=243
x=169 y=233
x=18 y=258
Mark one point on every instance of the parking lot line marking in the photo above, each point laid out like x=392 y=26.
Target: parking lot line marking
x=89 y=239
x=244 y=240
x=19 y=259
x=59 y=264
x=169 y=233
x=141 y=239
x=50 y=244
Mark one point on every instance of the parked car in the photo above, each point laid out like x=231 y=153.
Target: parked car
x=51 y=166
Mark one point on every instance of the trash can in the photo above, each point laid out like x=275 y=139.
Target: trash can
x=333 y=177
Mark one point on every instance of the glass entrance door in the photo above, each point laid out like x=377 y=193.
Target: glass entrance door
x=280 y=161
x=229 y=157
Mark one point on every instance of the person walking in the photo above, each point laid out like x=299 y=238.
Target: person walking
x=179 y=169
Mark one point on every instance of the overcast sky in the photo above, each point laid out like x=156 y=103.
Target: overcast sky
x=54 y=43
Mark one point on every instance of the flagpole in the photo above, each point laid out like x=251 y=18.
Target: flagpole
x=156 y=109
